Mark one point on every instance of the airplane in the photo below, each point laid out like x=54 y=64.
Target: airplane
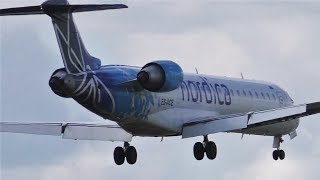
x=156 y=100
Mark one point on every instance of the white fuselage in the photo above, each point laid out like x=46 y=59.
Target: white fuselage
x=202 y=96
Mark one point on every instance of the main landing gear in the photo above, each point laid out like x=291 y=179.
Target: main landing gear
x=207 y=147
x=278 y=153
x=127 y=152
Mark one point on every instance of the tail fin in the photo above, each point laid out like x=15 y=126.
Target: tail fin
x=74 y=54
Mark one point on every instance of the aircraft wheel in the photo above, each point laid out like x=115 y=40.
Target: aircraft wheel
x=282 y=155
x=211 y=150
x=275 y=155
x=131 y=155
x=119 y=155
x=198 y=151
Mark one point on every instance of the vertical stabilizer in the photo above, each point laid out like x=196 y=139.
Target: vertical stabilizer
x=74 y=54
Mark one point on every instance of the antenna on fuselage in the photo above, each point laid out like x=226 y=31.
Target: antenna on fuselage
x=196 y=70
x=242 y=76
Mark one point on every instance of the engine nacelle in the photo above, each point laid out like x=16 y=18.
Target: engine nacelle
x=59 y=83
x=160 y=76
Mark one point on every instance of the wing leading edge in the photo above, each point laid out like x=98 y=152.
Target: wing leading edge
x=211 y=125
x=78 y=131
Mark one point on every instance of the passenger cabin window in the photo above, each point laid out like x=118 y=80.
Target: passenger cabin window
x=250 y=94
x=238 y=92
x=268 y=96
x=244 y=93
x=231 y=91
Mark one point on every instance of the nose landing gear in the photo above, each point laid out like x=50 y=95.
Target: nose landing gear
x=206 y=147
x=278 y=153
x=127 y=152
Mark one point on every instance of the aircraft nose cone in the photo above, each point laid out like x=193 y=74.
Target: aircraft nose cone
x=56 y=83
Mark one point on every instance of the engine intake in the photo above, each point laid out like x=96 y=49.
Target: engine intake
x=160 y=76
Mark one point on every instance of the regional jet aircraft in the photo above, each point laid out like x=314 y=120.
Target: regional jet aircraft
x=157 y=100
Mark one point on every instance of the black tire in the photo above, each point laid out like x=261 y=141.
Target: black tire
x=211 y=150
x=131 y=155
x=119 y=155
x=198 y=151
x=275 y=155
x=282 y=155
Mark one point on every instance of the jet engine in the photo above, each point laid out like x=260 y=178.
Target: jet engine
x=58 y=84
x=160 y=76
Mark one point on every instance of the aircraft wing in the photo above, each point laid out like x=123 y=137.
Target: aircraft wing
x=78 y=131
x=211 y=125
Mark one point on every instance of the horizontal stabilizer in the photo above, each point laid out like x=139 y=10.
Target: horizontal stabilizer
x=21 y=11
x=49 y=9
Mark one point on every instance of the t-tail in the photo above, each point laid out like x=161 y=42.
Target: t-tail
x=75 y=56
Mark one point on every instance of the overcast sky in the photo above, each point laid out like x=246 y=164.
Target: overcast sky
x=272 y=41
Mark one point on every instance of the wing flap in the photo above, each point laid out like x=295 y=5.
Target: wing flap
x=79 y=131
x=96 y=132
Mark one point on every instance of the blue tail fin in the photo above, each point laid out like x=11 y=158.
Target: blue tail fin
x=74 y=54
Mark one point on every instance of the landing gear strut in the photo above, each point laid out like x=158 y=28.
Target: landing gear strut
x=278 y=153
x=127 y=152
x=206 y=147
